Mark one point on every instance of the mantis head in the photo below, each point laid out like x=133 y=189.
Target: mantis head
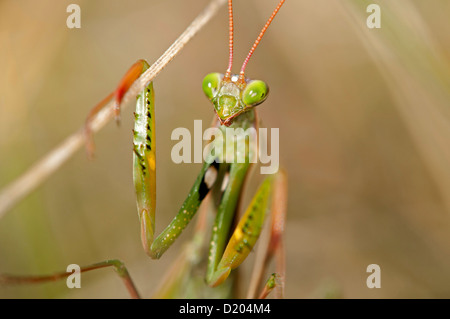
x=233 y=95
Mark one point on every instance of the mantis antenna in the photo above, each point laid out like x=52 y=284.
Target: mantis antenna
x=258 y=39
x=231 y=34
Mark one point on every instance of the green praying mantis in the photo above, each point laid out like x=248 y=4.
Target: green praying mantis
x=216 y=191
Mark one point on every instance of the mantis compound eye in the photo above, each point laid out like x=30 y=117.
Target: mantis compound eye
x=255 y=93
x=211 y=84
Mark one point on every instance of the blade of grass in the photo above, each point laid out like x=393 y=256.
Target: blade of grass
x=418 y=77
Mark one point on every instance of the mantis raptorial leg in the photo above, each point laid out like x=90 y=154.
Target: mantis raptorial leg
x=234 y=98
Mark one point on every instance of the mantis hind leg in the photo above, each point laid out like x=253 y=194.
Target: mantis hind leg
x=119 y=267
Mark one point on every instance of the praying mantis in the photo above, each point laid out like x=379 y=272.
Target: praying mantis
x=216 y=191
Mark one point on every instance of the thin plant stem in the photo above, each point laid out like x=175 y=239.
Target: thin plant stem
x=41 y=170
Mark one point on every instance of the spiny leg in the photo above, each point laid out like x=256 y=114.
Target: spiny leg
x=144 y=175
x=271 y=244
x=184 y=280
x=127 y=80
x=155 y=247
x=119 y=267
x=144 y=168
x=223 y=221
x=175 y=280
x=247 y=232
x=244 y=237
x=132 y=74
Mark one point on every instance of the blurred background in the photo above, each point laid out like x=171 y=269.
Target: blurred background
x=364 y=135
